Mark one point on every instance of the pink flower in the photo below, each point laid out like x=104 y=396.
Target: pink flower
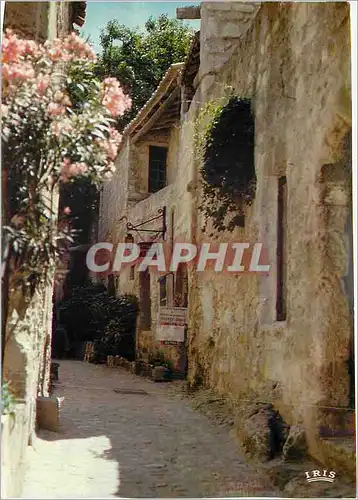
x=77 y=169
x=111 y=167
x=54 y=109
x=78 y=48
x=67 y=211
x=31 y=48
x=18 y=72
x=12 y=48
x=42 y=83
x=56 y=51
x=115 y=136
x=72 y=169
x=62 y=98
x=60 y=127
x=114 y=98
x=112 y=151
x=64 y=177
x=110 y=146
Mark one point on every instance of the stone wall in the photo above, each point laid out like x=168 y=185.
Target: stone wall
x=39 y=20
x=13 y=445
x=292 y=61
x=141 y=211
x=27 y=353
x=301 y=101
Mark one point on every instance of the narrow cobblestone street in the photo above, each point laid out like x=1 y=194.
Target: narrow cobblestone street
x=133 y=445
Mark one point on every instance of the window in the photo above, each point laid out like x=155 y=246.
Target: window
x=163 y=291
x=181 y=286
x=157 y=168
x=172 y=231
x=111 y=286
x=145 y=318
x=281 y=249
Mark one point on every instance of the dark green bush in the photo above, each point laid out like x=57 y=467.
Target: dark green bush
x=227 y=145
x=90 y=314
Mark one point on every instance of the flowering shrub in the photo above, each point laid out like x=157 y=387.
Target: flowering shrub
x=57 y=124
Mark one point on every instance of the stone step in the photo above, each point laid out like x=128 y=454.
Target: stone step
x=340 y=451
x=336 y=422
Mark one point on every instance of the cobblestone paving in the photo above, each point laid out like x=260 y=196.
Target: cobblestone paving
x=133 y=445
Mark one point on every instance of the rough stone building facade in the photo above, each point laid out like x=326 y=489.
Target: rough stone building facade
x=27 y=332
x=155 y=131
x=293 y=62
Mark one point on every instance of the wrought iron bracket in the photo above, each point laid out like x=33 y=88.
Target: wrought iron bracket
x=138 y=228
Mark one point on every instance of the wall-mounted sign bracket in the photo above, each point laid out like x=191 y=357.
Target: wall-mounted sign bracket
x=156 y=232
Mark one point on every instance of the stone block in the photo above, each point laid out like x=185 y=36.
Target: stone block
x=247 y=7
x=190 y=12
x=160 y=373
x=220 y=6
x=261 y=431
x=48 y=413
x=295 y=447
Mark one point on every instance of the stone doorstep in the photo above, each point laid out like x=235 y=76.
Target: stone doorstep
x=340 y=454
x=48 y=413
x=336 y=422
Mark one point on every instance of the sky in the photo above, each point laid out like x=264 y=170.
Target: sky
x=131 y=14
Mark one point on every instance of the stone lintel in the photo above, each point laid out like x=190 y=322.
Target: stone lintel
x=190 y=12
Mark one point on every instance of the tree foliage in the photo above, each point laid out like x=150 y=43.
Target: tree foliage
x=138 y=59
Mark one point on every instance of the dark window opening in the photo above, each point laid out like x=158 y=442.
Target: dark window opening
x=172 y=230
x=144 y=300
x=131 y=276
x=163 y=291
x=281 y=249
x=111 y=286
x=181 y=287
x=157 y=168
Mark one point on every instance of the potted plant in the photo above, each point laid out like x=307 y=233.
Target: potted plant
x=162 y=368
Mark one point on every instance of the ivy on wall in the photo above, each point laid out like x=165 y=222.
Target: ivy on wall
x=224 y=141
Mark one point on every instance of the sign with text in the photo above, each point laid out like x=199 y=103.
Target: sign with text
x=171 y=324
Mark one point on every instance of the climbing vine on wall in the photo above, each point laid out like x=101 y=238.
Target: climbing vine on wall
x=224 y=141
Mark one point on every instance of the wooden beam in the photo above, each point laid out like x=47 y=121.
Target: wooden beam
x=166 y=124
x=190 y=12
x=174 y=95
x=157 y=129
